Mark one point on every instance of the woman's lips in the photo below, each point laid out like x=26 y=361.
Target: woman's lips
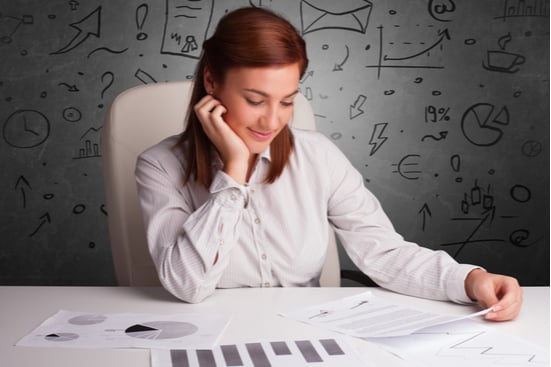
x=261 y=135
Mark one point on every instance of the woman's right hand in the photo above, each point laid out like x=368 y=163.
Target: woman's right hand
x=230 y=146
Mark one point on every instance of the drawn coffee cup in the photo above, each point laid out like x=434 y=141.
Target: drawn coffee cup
x=503 y=61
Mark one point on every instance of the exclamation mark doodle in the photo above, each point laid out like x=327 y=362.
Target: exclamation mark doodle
x=455 y=162
x=141 y=14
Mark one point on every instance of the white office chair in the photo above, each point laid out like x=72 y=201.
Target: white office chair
x=139 y=118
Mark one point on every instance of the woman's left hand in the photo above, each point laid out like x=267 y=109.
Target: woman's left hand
x=502 y=293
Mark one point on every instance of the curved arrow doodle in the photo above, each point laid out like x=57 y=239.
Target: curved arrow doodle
x=443 y=35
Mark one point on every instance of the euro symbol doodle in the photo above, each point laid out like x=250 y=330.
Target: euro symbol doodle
x=405 y=167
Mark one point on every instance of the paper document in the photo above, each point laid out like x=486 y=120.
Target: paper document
x=127 y=330
x=330 y=352
x=465 y=343
x=367 y=316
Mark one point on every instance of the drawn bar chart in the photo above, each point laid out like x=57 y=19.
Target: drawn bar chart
x=320 y=352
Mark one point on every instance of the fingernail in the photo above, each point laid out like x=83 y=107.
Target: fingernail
x=497 y=308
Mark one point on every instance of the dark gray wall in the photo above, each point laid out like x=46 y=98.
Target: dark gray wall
x=443 y=105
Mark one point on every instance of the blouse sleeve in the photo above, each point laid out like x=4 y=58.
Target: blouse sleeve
x=189 y=241
x=378 y=250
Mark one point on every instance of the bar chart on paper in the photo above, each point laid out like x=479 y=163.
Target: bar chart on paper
x=322 y=353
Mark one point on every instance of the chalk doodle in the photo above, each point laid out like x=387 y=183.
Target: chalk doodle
x=441 y=9
x=26 y=129
x=186 y=25
x=524 y=8
x=425 y=213
x=501 y=60
x=316 y=15
x=88 y=26
x=407 y=167
x=356 y=107
x=479 y=207
x=13 y=27
x=89 y=144
x=482 y=126
x=377 y=139
x=141 y=13
x=411 y=60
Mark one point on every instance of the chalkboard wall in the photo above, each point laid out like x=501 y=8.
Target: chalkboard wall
x=443 y=106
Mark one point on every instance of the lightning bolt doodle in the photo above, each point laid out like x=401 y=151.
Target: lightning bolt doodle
x=377 y=139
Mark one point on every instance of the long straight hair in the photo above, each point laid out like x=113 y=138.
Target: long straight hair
x=246 y=37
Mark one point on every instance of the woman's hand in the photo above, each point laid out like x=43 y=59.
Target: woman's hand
x=502 y=293
x=232 y=149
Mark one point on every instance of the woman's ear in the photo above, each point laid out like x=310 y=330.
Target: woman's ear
x=208 y=80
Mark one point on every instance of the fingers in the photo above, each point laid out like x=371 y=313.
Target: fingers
x=209 y=111
x=510 y=301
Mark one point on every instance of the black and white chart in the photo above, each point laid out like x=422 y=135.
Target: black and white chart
x=127 y=330
x=281 y=353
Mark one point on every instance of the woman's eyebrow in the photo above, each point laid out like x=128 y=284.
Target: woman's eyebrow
x=264 y=94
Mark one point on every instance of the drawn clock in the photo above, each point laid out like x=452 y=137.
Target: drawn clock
x=26 y=129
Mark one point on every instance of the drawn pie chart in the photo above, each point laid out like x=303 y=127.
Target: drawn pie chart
x=61 y=337
x=482 y=124
x=161 y=330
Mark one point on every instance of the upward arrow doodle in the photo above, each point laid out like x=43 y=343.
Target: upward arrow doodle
x=86 y=27
x=45 y=219
x=22 y=184
x=425 y=211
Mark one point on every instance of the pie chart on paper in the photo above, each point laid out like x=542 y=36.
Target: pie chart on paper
x=61 y=337
x=482 y=124
x=161 y=330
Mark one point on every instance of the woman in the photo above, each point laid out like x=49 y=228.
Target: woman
x=240 y=199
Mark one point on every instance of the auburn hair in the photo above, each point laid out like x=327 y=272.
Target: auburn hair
x=246 y=37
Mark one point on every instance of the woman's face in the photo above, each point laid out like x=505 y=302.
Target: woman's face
x=259 y=102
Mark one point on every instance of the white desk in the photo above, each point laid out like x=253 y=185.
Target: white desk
x=254 y=317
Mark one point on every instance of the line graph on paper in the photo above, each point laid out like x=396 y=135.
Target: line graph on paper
x=467 y=343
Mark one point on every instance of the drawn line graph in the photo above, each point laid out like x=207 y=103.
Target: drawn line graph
x=398 y=61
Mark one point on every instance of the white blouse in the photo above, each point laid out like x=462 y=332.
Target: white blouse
x=264 y=235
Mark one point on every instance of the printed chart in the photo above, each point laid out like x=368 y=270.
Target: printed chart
x=127 y=330
x=322 y=353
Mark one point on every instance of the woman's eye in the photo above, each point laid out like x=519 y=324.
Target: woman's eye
x=253 y=102
x=286 y=104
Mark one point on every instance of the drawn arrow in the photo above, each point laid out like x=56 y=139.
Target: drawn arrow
x=425 y=211
x=45 y=219
x=86 y=27
x=338 y=67
x=22 y=184
x=443 y=135
x=309 y=74
x=356 y=108
x=443 y=35
x=70 y=88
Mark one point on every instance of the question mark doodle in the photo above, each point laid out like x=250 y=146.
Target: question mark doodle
x=109 y=75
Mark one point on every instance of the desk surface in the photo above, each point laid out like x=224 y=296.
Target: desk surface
x=254 y=316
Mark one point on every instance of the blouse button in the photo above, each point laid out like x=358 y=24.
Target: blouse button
x=264 y=257
x=233 y=197
x=267 y=284
x=257 y=221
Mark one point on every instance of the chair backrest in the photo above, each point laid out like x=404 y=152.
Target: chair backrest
x=137 y=119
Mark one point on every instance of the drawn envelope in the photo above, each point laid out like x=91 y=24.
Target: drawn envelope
x=351 y=15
